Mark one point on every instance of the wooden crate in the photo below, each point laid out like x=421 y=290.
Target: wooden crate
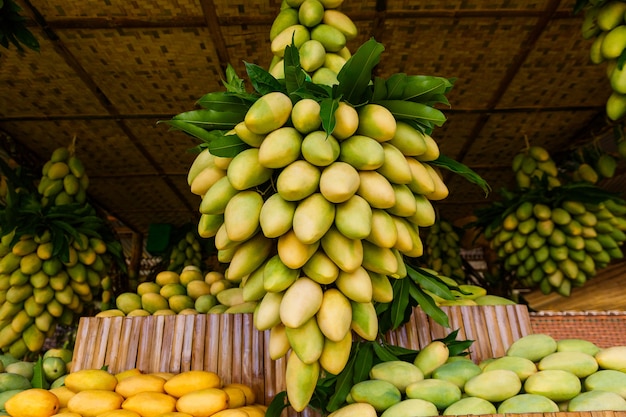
x=230 y=345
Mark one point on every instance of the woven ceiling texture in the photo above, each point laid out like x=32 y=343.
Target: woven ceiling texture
x=109 y=70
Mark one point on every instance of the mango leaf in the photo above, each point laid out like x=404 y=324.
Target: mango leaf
x=380 y=90
x=427 y=304
x=456 y=347
x=356 y=74
x=226 y=146
x=430 y=283
x=364 y=360
x=410 y=110
x=211 y=119
x=463 y=170
x=277 y=405
x=402 y=353
x=396 y=85
x=327 y=113
x=295 y=77
x=400 y=306
x=262 y=81
x=189 y=128
x=383 y=353
x=39 y=379
x=224 y=101
x=233 y=83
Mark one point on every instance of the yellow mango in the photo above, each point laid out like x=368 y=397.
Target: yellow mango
x=431 y=356
x=339 y=181
x=93 y=402
x=249 y=394
x=362 y=152
x=319 y=148
x=150 y=403
x=90 y=379
x=276 y=217
x=313 y=217
x=396 y=166
x=335 y=314
x=377 y=259
x=217 y=196
x=300 y=381
x=293 y=253
x=124 y=413
x=355 y=285
x=267 y=313
x=241 y=215
x=298 y=34
x=245 y=171
x=376 y=122
x=205 y=180
x=355 y=410
x=247 y=136
x=248 y=256
x=277 y=276
x=353 y=217
x=280 y=147
x=278 y=344
x=306 y=340
x=312 y=54
x=300 y=302
x=321 y=268
x=298 y=180
x=187 y=381
x=346 y=253
x=364 y=320
x=335 y=355
x=64 y=394
x=32 y=402
x=332 y=38
x=376 y=189
x=203 y=402
x=346 y=121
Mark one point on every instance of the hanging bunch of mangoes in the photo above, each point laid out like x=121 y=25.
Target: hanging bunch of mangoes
x=55 y=253
x=551 y=234
x=314 y=187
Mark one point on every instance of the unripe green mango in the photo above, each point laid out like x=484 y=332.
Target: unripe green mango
x=607 y=380
x=353 y=218
x=311 y=13
x=494 y=386
x=440 y=392
x=380 y=260
x=528 y=403
x=332 y=38
x=431 y=356
x=217 y=197
x=346 y=253
x=355 y=410
x=268 y=113
x=579 y=363
x=556 y=384
x=400 y=373
x=610 y=15
x=457 y=372
x=577 y=345
x=324 y=76
x=312 y=55
x=362 y=152
x=298 y=34
x=596 y=401
x=532 y=347
x=277 y=276
x=411 y=407
x=521 y=366
x=306 y=341
x=470 y=405
x=380 y=394
x=616 y=106
x=364 y=320
x=248 y=256
x=280 y=147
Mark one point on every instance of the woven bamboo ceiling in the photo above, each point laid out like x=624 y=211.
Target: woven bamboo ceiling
x=109 y=70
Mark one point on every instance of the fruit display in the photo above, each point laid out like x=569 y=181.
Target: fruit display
x=555 y=237
x=99 y=393
x=442 y=250
x=55 y=255
x=186 y=252
x=604 y=25
x=315 y=186
x=190 y=292
x=538 y=374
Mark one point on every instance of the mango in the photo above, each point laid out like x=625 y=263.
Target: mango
x=321 y=268
x=150 y=403
x=12 y=381
x=217 y=196
x=93 y=402
x=117 y=413
x=440 y=392
x=339 y=181
x=532 y=347
x=187 y=381
x=278 y=343
x=606 y=380
x=376 y=122
x=298 y=34
x=383 y=229
x=334 y=315
x=470 y=405
x=613 y=357
x=285 y=18
x=528 y=403
x=241 y=215
x=346 y=253
x=90 y=379
x=335 y=355
x=355 y=285
x=457 y=372
x=305 y=115
x=597 y=401
x=355 y=410
x=362 y=152
x=400 y=373
x=332 y=38
x=245 y=170
x=306 y=341
x=312 y=218
x=298 y=180
x=382 y=291
x=556 y=384
x=203 y=402
x=248 y=256
x=206 y=179
x=293 y=252
x=247 y=136
x=431 y=356
x=280 y=147
x=364 y=320
x=267 y=311
x=396 y=166
x=347 y=121
x=353 y=218
x=300 y=381
x=579 y=363
x=521 y=366
x=379 y=260
x=300 y=302
x=277 y=276
x=319 y=148
x=376 y=189
x=381 y=394
x=32 y=402
x=411 y=407
x=276 y=217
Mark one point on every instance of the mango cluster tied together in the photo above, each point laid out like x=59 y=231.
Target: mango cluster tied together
x=316 y=248
x=186 y=252
x=319 y=31
x=533 y=163
x=604 y=23
x=63 y=179
x=442 y=251
x=537 y=374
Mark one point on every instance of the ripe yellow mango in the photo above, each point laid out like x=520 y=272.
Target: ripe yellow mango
x=306 y=341
x=339 y=181
x=248 y=256
x=280 y=147
x=380 y=260
x=241 y=215
x=321 y=268
x=267 y=313
x=376 y=122
x=300 y=381
x=431 y=356
x=396 y=166
x=376 y=189
x=187 y=381
x=245 y=171
x=217 y=196
x=135 y=384
x=90 y=379
x=346 y=121
x=319 y=148
x=353 y=217
x=355 y=410
x=298 y=34
x=335 y=315
x=278 y=344
x=555 y=384
x=203 y=402
x=355 y=285
x=300 y=302
x=150 y=403
x=276 y=217
x=335 y=355
x=32 y=402
x=298 y=180
x=362 y=152
x=92 y=403
x=312 y=218
x=293 y=252
x=345 y=252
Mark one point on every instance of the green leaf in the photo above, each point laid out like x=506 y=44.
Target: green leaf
x=39 y=379
x=463 y=170
x=224 y=101
x=396 y=84
x=233 y=83
x=295 y=77
x=400 y=303
x=380 y=89
x=26 y=37
x=383 y=353
x=277 y=405
x=327 y=114
x=430 y=283
x=211 y=119
x=262 y=81
x=356 y=74
x=226 y=146
x=364 y=360
x=409 y=110
x=428 y=305
x=190 y=129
